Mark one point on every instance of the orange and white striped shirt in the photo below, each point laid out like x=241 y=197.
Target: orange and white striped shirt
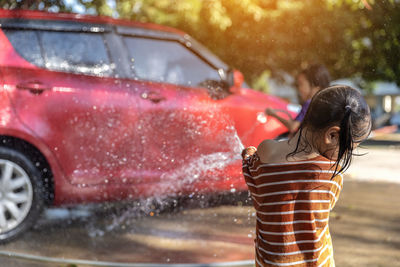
x=293 y=201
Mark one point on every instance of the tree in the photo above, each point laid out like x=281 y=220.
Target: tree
x=49 y=5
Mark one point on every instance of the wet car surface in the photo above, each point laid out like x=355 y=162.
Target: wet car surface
x=95 y=109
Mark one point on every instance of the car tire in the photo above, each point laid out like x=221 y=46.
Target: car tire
x=21 y=194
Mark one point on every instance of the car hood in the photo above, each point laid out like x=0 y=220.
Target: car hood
x=261 y=101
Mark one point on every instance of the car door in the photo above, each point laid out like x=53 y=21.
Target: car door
x=71 y=99
x=185 y=132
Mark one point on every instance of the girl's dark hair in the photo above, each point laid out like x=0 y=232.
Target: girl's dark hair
x=341 y=106
x=317 y=75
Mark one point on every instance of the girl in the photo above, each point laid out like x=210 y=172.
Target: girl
x=295 y=183
x=309 y=81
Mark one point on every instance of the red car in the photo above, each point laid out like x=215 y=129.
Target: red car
x=97 y=109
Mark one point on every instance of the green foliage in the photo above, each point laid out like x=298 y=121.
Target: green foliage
x=261 y=82
x=353 y=38
x=49 y=5
x=376 y=42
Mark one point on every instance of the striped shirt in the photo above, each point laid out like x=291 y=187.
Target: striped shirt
x=292 y=202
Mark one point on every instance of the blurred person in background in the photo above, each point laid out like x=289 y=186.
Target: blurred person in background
x=308 y=82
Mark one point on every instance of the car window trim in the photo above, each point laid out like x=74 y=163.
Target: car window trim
x=118 y=53
x=51 y=25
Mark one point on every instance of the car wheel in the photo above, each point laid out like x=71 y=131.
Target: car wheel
x=21 y=194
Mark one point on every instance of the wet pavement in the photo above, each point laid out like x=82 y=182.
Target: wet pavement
x=364 y=225
x=190 y=235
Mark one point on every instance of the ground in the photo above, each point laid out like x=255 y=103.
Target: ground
x=365 y=227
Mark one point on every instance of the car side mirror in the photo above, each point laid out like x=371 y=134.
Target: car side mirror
x=216 y=89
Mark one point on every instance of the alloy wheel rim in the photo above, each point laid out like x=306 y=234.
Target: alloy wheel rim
x=16 y=195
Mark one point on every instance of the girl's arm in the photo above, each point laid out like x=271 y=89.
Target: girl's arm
x=291 y=124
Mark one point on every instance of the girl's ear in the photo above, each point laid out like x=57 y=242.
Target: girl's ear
x=331 y=137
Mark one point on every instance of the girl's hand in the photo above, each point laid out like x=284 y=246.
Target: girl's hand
x=270 y=111
x=249 y=151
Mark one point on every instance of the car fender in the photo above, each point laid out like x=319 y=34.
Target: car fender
x=11 y=126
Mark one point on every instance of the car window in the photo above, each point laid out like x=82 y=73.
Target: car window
x=167 y=61
x=26 y=44
x=76 y=52
x=63 y=51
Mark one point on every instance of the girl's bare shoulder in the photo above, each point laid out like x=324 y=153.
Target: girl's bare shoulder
x=271 y=151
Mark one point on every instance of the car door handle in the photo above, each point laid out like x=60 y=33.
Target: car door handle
x=154 y=97
x=35 y=87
